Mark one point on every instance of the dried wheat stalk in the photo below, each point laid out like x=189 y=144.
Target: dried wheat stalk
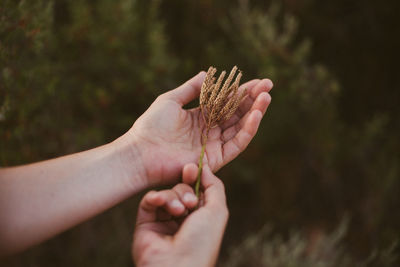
x=217 y=104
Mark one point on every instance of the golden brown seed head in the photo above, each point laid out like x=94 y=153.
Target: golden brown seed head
x=235 y=105
x=218 y=105
x=215 y=91
x=205 y=87
x=226 y=89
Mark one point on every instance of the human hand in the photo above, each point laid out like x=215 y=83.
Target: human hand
x=164 y=237
x=167 y=136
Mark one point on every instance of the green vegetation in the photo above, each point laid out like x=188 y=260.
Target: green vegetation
x=77 y=74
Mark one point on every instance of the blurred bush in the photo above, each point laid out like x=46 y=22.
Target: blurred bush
x=92 y=66
x=77 y=74
x=297 y=250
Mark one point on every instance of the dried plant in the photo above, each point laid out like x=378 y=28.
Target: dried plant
x=217 y=104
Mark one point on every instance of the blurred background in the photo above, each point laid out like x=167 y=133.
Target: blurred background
x=318 y=186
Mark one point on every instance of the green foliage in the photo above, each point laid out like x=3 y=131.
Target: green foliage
x=87 y=66
x=76 y=74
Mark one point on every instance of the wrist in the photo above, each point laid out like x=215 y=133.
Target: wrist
x=129 y=154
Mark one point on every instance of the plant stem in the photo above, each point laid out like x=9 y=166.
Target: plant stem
x=199 y=172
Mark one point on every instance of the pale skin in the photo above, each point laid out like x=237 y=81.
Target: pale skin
x=40 y=200
x=165 y=237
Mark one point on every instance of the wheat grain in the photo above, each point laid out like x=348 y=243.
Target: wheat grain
x=235 y=105
x=217 y=105
x=215 y=91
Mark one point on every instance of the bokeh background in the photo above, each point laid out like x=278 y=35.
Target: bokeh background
x=318 y=186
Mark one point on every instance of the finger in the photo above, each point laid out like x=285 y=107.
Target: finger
x=148 y=206
x=207 y=224
x=265 y=85
x=206 y=177
x=188 y=91
x=214 y=189
x=152 y=200
x=239 y=142
x=189 y=173
x=249 y=85
x=262 y=102
x=186 y=195
x=173 y=204
x=248 y=103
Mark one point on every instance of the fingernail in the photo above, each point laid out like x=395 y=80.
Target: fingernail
x=266 y=96
x=176 y=204
x=189 y=197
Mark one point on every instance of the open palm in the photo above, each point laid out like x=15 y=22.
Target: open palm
x=170 y=136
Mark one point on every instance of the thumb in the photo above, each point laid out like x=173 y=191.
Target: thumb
x=189 y=90
x=214 y=191
x=202 y=231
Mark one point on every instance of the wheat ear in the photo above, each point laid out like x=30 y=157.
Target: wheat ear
x=217 y=104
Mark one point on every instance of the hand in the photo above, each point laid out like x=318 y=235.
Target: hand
x=162 y=239
x=168 y=136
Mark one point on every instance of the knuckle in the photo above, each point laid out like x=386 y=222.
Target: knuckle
x=179 y=188
x=171 y=194
x=239 y=144
x=187 y=188
x=220 y=185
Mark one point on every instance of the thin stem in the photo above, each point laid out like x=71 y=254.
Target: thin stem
x=199 y=172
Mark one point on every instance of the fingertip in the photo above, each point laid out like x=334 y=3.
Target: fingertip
x=269 y=83
x=202 y=73
x=189 y=173
x=176 y=207
x=207 y=176
x=189 y=200
x=187 y=91
x=265 y=97
x=186 y=195
x=264 y=85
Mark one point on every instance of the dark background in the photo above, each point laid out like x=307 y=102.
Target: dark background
x=320 y=182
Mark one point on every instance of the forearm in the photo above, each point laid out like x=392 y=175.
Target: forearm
x=40 y=200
